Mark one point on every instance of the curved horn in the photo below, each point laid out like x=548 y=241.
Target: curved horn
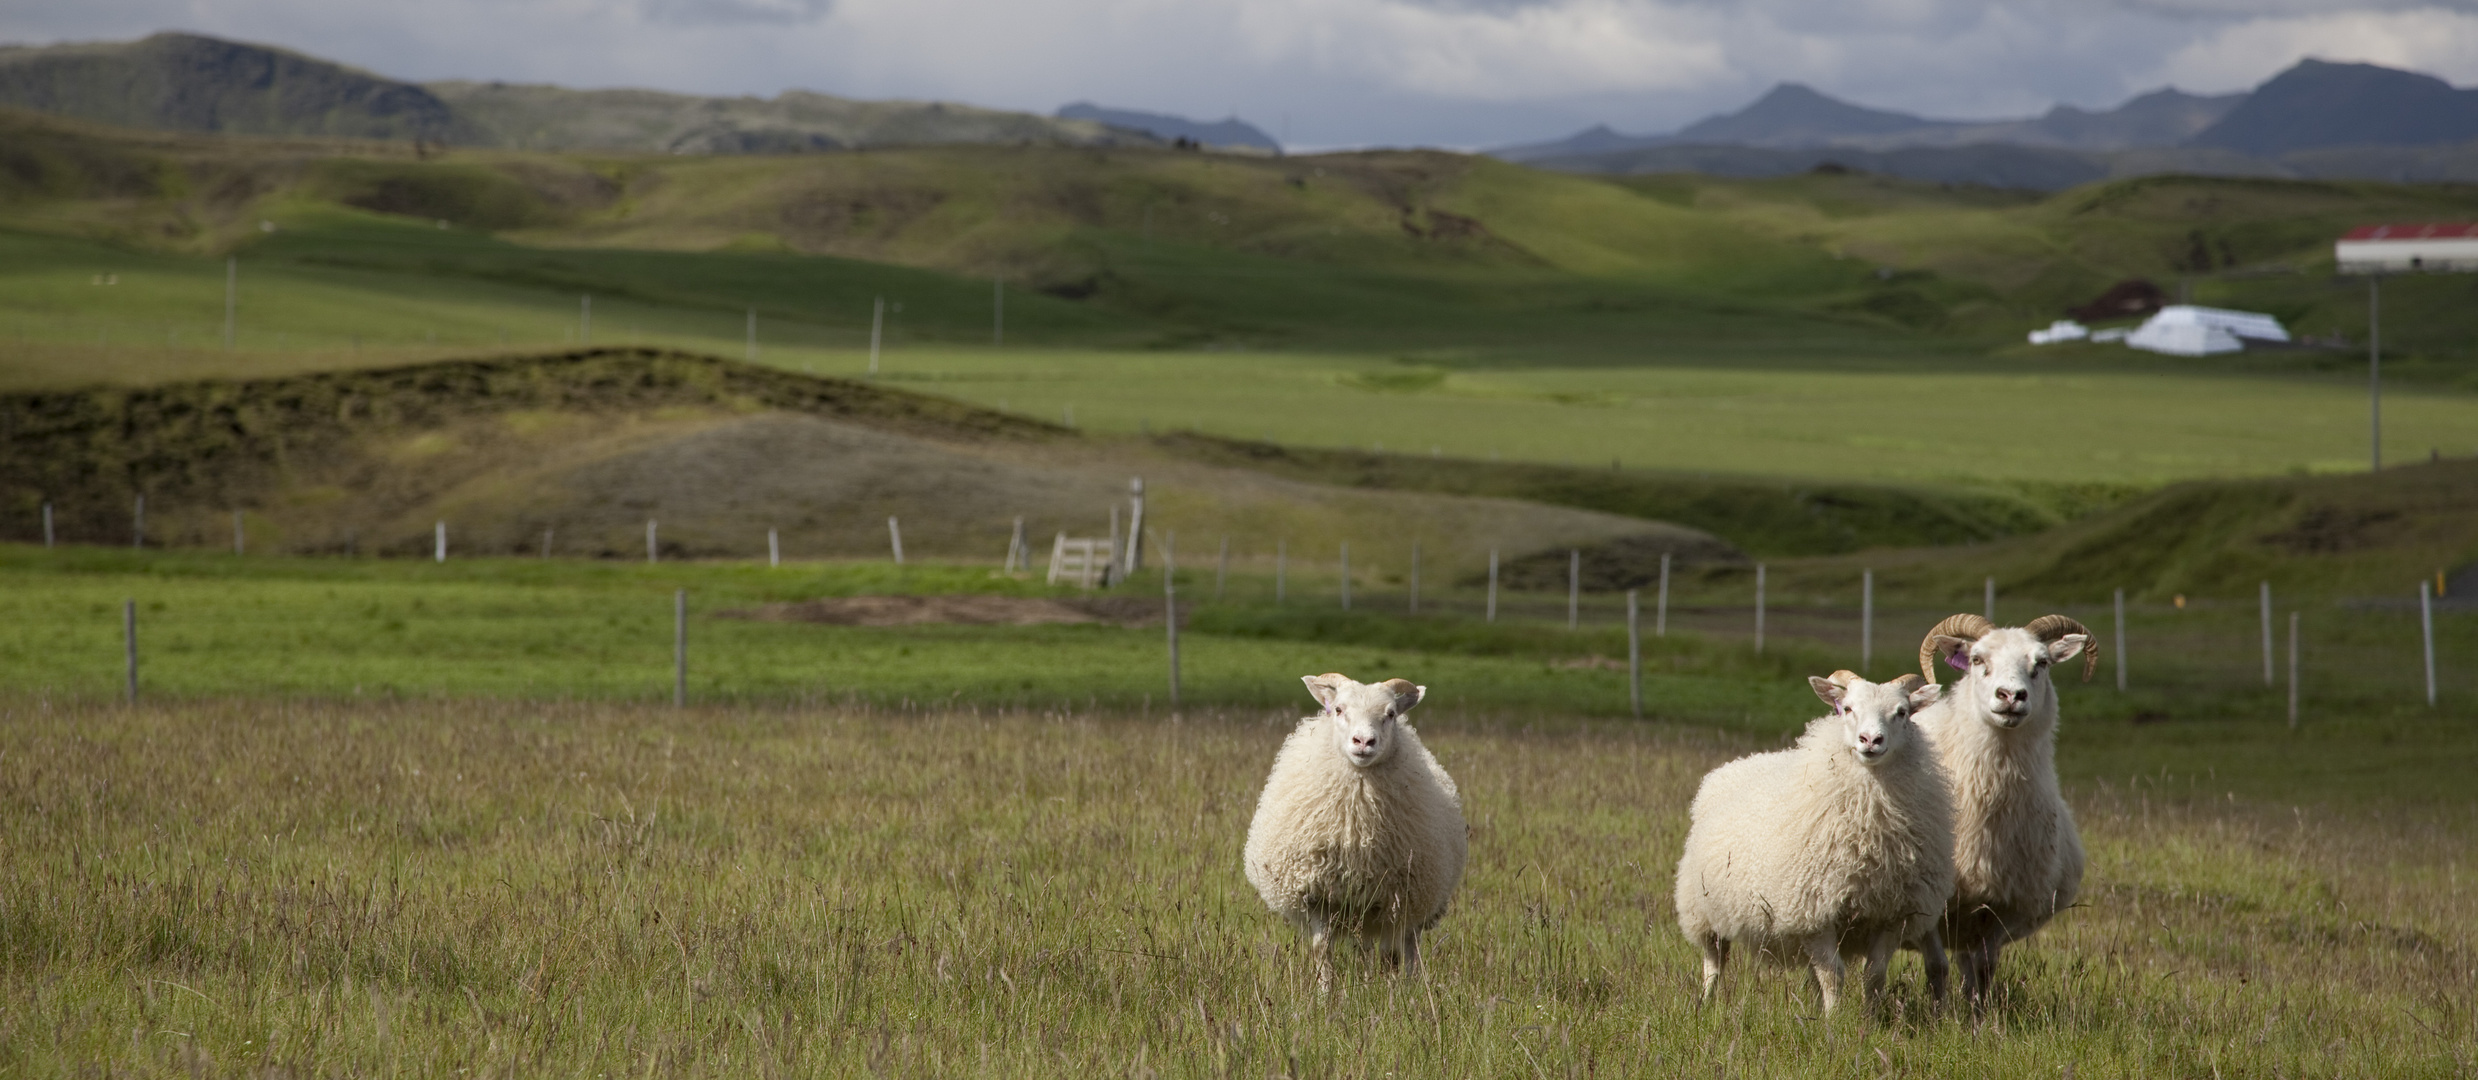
x=2048 y=628
x=1967 y=627
x=1843 y=678
x=1909 y=684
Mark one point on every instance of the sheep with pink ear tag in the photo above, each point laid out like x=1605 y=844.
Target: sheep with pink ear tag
x=1359 y=832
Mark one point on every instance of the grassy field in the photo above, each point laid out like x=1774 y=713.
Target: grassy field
x=324 y=628
x=441 y=888
x=384 y=816
x=2123 y=427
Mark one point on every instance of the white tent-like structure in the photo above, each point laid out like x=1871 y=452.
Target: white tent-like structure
x=2187 y=330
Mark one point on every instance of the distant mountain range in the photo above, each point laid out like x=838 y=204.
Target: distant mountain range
x=186 y=82
x=1231 y=133
x=2317 y=119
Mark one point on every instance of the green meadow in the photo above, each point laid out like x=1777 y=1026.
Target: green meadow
x=398 y=817
x=244 y=886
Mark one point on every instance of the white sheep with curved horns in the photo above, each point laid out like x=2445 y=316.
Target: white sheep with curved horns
x=1359 y=830
x=2017 y=856
x=1840 y=846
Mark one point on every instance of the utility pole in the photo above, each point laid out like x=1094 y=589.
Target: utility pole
x=2374 y=370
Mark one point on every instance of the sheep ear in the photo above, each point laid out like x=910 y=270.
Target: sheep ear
x=1959 y=658
x=1406 y=695
x=1826 y=689
x=1926 y=695
x=2067 y=647
x=1324 y=687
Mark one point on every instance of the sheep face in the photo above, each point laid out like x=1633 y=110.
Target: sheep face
x=1363 y=719
x=2010 y=670
x=1875 y=717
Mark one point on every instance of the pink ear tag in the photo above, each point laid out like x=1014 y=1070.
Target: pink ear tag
x=1957 y=660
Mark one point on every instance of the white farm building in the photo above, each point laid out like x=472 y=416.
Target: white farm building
x=2187 y=330
x=2401 y=249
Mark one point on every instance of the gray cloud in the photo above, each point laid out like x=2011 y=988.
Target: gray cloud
x=727 y=12
x=1340 y=72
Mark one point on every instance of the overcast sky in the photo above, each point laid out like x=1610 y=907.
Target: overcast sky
x=1326 y=73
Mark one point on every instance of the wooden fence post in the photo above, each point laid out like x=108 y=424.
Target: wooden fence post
x=652 y=552
x=1574 y=588
x=2120 y=599
x=877 y=330
x=129 y=643
x=1660 y=611
x=1492 y=585
x=1415 y=577
x=774 y=548
x=438 y=542
x=1759 y=607
x=2293 y=671
x=1634 y=653
x=1170 y=611
x=2426 y=624
x=894 y=537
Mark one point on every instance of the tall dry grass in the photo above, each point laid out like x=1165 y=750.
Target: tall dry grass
x=298 y=888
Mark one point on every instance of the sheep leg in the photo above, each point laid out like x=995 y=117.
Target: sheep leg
x=1932 y=953
x=1824 y=951
x=1411 y=955
x=1983 y=969
x=1321 y=951
x=1716 y=957
x=1879 y=958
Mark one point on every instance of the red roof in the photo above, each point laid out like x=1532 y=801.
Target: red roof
x=2430 y=231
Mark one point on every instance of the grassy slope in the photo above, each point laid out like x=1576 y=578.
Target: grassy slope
x=2322 y=537
x=1709 y=326
x=580 y=451
x=1384 y=249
